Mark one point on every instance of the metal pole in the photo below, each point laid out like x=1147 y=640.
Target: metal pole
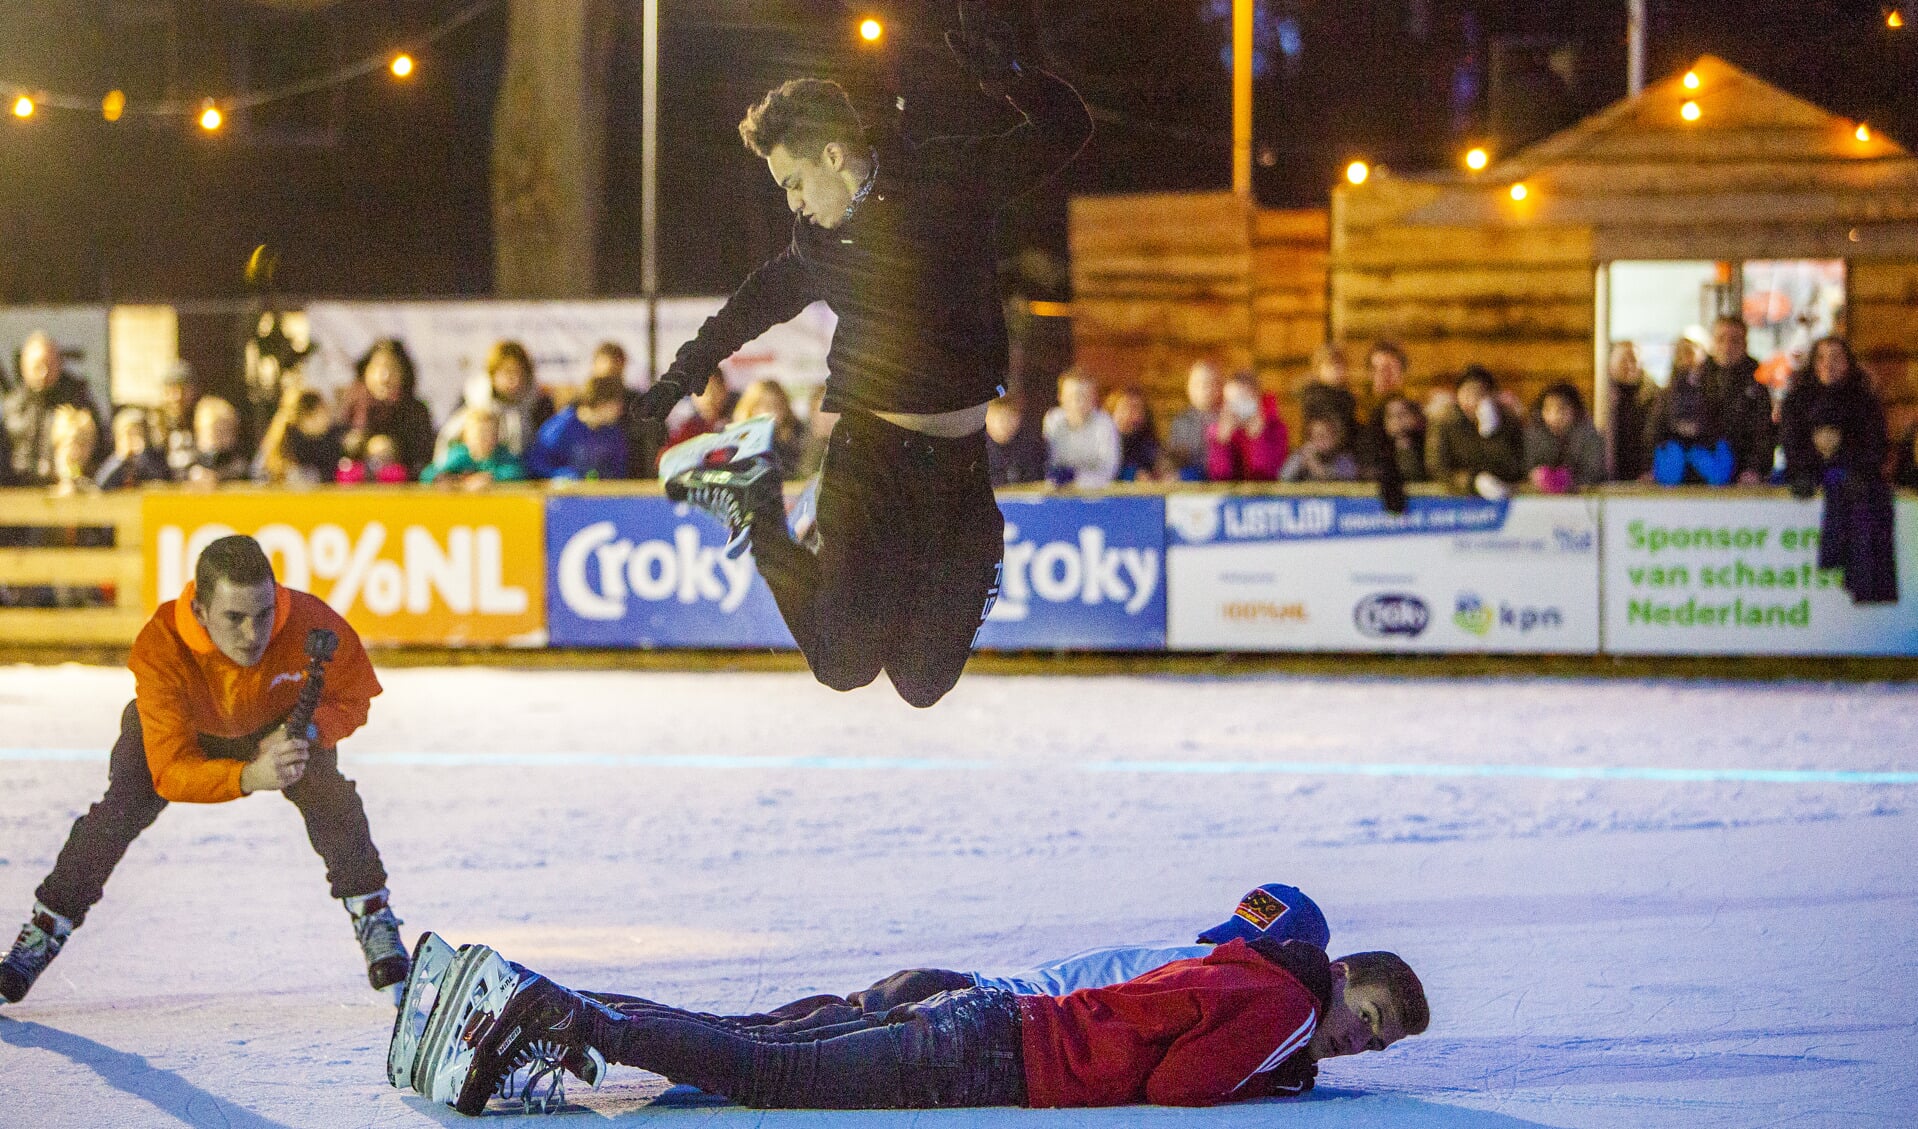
x=649 y=186
x=1242 y=97
x=1635 y=46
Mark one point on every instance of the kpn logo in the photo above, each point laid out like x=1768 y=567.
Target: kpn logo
x=1473 y=614
x=1476 y=616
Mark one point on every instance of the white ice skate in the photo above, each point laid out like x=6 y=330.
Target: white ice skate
x=475 y=989
x=729 y=474
x=432 y=961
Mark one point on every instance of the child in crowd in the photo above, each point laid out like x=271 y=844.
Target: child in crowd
x=1015 y=448
x=1185 y=435
x=217 y=454
x=1401 y=439
x=709 y=410
x=767 y=398
x=585 y=440
x=134 y=461
x=1138 y=436
x=1082 y=442
x=1248 y=442
x=303 y=445
x=478 y=457
x=371 y=459
x=1325 y=456
x=1563 y=451
x=74 y=436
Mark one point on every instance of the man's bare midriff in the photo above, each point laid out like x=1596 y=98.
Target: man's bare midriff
x=940 y=425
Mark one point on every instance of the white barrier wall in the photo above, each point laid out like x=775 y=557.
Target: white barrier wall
x=1703 y=575
x=1292 y=573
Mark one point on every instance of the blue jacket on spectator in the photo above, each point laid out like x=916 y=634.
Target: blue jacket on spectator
x=568 y=449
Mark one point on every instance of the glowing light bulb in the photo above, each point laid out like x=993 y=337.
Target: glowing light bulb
x=1689 y=111
x=870 y=30
x=1477 y=159
x=1863 y=132
x=210 y=117
x=1357 y=171
x=113 y=105
x=1894 y=19
x=1520 y=192
x=23 y=107
x=402 y=65
x=1691 y=80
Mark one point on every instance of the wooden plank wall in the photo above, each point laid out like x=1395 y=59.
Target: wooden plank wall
x=1160 y=281
x=1884 y=332
x=1520 y=301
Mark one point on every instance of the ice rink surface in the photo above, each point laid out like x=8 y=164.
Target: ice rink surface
x=1603 y=945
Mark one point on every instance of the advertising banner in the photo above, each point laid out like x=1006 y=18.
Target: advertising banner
x=1080 y=573
x=645 y=572
x=1296 y=573
x=401 y=566
x=1739 y=576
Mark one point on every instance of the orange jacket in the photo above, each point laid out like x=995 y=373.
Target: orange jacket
x=185 y=687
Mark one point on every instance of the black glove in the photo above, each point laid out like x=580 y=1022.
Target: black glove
x=983 y=45
x=660 y=399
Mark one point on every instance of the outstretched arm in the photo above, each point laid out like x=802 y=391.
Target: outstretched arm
x=774 y=293
x=1057 y=124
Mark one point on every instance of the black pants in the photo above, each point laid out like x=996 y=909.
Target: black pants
x=955 y=1049
x=822 y=1016
x=908 y=562
x=330 y=804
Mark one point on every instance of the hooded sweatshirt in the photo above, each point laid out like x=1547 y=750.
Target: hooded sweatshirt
x=192 y=698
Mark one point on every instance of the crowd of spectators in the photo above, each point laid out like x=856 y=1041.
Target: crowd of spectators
x=1709 y=423
x=508 y=427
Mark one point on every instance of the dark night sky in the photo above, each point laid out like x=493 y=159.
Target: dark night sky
x=378 y=189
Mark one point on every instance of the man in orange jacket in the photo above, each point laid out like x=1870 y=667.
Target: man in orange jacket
x=216 y=673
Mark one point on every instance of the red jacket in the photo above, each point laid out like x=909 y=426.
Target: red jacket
x=1243 y=458
x=186 y=687
x=1193 y=1032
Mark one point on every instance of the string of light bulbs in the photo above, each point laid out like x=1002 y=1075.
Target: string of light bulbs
x=210 y=112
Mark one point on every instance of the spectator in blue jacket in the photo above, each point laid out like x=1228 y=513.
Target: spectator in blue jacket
x=585 y=441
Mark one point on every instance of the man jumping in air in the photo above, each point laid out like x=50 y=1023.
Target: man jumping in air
x=216 y=675
x=898 y=241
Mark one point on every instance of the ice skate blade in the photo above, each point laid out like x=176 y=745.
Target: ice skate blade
x=432 y=960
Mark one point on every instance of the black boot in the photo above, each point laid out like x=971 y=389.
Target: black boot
x=40 y=940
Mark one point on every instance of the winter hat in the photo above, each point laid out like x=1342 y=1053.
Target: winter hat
x=1275 y=911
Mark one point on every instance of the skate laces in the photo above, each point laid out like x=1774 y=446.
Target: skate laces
x=543 y=1087
x=35 y=944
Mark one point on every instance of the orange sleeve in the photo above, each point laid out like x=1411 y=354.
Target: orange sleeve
x=351 y=686
x=181 y=772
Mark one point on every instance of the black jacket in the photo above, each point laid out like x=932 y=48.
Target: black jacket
x=1726 y=402
x=912 y=275
x=1848 y=406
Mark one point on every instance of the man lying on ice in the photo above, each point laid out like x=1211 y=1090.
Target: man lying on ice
x=1249 y=1020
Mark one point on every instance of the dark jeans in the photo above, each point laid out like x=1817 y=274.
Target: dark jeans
x=956 y=1049
x=908 y=562
x=330 y=804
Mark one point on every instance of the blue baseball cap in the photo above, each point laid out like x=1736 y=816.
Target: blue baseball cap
x=1275 y=911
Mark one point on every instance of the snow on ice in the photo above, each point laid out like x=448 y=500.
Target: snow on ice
x=1604 y=949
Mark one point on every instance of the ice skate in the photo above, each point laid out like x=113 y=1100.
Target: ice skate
x=378 y=931
x=432 y=961
x=539 y=1037
x=730 y=474
x=471 y=1051
x=39 y=942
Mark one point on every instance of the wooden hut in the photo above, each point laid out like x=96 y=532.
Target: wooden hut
x=1509 y=267
x=1162 y=280
x=1458 y=271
